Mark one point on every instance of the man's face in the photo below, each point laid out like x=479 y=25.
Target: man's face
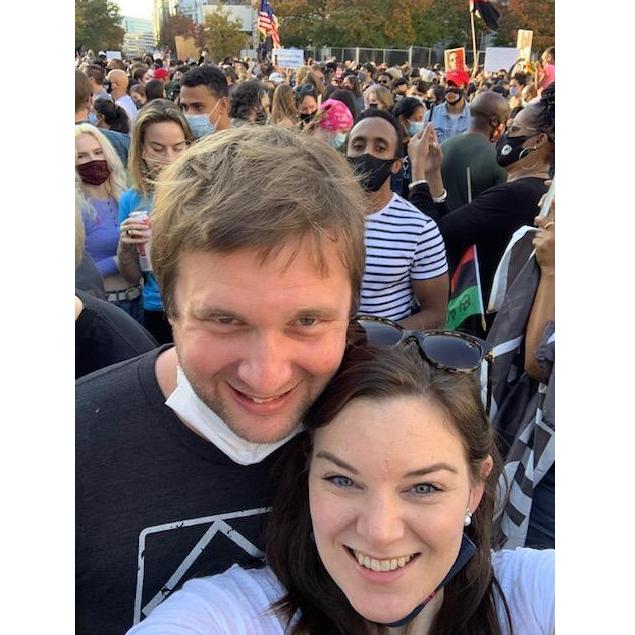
x=374 y=136
x=258 y=341
x=453 y=93
x=198 y=100
x=384 y=80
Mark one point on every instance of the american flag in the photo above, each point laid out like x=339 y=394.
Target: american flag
x=268 y=23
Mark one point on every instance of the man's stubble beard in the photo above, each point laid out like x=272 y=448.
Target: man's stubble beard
x=214 y=403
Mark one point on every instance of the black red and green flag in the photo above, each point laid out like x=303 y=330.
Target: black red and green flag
x=466 y=297
x=487 y=12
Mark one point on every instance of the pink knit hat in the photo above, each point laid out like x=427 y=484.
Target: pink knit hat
x=337 y=116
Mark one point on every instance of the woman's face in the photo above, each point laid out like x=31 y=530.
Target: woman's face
x=87 y=148
x=163 y=143
x=418 y=114
x=308 y=105
x=389 y=486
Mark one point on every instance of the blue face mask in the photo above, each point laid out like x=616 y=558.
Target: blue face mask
x=338 y=141
x=92 y=118
x=200 y=125
x=414 y=127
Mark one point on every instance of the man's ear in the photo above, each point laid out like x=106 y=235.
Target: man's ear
x=398 y=163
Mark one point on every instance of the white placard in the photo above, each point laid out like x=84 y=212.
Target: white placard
x=287 y=58
x=113 y=55
x=523 y=43
x=498 y=58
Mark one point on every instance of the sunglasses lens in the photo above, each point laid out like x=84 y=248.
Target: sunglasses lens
x=377 y=334
x=451 y=351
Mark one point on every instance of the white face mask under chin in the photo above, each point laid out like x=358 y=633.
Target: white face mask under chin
x=191 y=409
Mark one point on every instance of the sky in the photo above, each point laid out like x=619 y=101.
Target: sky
x=136 y=8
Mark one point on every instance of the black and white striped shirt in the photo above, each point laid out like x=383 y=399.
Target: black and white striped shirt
x=402 y=244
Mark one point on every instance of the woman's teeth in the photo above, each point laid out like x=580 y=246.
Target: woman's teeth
x=381 y=565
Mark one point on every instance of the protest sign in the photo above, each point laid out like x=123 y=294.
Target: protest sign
x=523 y=44
x=454 y=59
x=113 y=55
x=186 y=47
x=498 y=58
x=287 y=58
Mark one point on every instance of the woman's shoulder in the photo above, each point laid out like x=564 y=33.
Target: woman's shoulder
x=237 y=602
x=527 y=580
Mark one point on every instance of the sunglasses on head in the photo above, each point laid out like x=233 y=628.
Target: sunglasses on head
x=450 y=351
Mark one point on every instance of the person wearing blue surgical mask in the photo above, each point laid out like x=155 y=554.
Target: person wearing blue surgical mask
x=204 y=100
x=409 y=111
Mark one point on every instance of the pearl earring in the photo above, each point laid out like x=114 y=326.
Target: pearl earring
x=467 y=521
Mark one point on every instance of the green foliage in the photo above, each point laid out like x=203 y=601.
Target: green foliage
x=402 y=23
x=222 y=35
x=536 y=15
x=98 y=25
x=177 y=24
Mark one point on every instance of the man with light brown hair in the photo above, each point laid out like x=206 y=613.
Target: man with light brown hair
x=258 y=249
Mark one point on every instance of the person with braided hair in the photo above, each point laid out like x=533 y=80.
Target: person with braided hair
x=526 y=151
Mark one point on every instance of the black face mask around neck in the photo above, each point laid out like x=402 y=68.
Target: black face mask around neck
x=466 y=552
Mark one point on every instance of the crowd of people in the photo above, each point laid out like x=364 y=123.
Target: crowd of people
x=276 y=431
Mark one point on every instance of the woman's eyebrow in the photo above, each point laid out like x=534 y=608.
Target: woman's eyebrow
x=333 y=459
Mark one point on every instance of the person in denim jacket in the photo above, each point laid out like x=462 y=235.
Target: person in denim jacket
x=452 y=117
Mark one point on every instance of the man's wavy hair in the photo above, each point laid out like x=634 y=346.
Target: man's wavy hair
x=262 y=188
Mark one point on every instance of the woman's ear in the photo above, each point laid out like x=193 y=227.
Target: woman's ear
x=476 y=493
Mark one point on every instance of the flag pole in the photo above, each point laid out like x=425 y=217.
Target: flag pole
x=255 y=34
x=475 y=69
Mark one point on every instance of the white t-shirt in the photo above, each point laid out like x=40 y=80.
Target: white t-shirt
x=402 y=245
x=125 y=101
x=237 y=602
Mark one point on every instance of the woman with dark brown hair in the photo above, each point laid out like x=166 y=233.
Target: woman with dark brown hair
x=382 y=522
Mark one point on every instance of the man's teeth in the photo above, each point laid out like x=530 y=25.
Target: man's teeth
x=381 y=565
x=256 y=400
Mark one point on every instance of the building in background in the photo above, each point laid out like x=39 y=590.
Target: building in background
x=139 y=36
x=162 y=9
x=237 y=9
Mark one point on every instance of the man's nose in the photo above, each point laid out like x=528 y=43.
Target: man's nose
x=266 y=367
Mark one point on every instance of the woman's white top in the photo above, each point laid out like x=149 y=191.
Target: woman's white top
x=237 y=601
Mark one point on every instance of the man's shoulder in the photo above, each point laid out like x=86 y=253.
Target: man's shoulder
x=400 y=208
x=120 y=386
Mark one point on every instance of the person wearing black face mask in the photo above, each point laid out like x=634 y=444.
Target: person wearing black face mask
x=526 y=151
x=406 y=270
x=452 y=117
x=306 y=99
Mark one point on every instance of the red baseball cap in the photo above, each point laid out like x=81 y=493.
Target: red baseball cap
x=457 y=77
x=161 y=73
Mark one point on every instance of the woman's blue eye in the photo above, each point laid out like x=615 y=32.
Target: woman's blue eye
x=340 y=481
x=423 y=489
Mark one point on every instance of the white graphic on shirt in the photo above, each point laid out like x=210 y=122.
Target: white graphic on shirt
x=218 y=525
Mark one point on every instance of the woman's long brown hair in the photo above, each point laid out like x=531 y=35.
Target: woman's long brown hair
x=468 y=604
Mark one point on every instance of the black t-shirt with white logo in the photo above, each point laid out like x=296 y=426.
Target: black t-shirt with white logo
x=156 y=504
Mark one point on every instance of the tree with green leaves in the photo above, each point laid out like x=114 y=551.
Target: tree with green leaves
x=98 y=25
x=536 y=15
x=177 y=24
x=222 y=34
